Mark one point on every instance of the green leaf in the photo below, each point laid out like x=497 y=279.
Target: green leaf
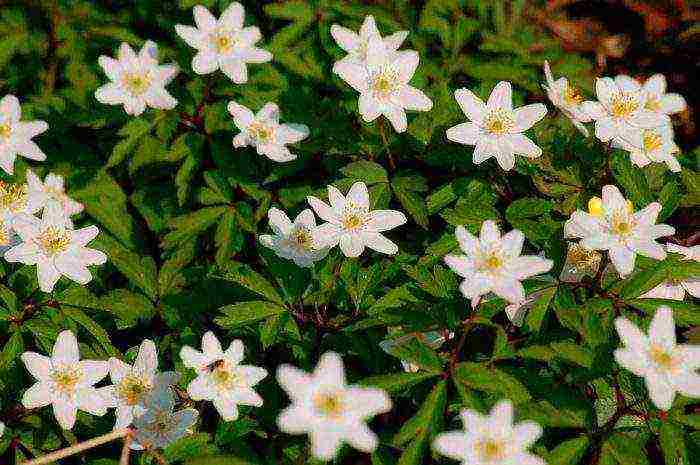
x=251 y=280
x=186 y=228
x=491 y=380
x=128 y=307
x=11 y=351
x=673 y=444
x=413 y=203
x=418 y=432
x=396 y=382
x=569 y=452
x=573 y=353
x=246 y=313
x=366 y=171
x=139 y=270
x=92 y=327
x=132 y=132
x=623 y=449
x=631 y=180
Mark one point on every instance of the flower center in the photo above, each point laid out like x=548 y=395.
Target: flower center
x=260 y=132
x=137 y=84
x=662 y=358
x=133 y=390
x=490 y=450
x=499 y=122
x=54 y=240
x=621 y=224
x=652 y=141
x=623 y=105
x=493 y=262
x=5 y=234
x=66 y=379
x=572 y=96
x=653 y=104
x=384 y=83
x=352 y=221
x=302 y=238
x=5 y=131
x=329 y=404
x=224 y=42
x=13 y=197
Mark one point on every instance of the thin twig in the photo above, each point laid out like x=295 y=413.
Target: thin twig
x=124 y=459
x=72 y=450
x=390 y=157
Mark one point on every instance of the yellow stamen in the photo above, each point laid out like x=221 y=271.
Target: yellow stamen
x=384 y=83
x=4 y=234
x=303 y=239
x=652 y=141
x=653 y=104
x=260 y=132
x=595 y=207
x=352 y=221
x=499 y=122
x=137 y=84
x=54 y=240
x=493 y=262
x=66 y=380
x=329 y=404
x=490 y=450
x=5 y=131
x=662 y=358
x=133 y=390
x=623 y=105
x=13 y=197
x=572 y=96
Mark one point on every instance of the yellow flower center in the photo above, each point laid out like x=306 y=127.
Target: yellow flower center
x=260 y=132
x=137 y=83
x=595 y=207
x=303 y=239
x=499 y=122
x=66 y=380
x=54 y=240
x=652 y=141
x=5 y=131
x=490 y=450
x=224 y=42
x=4 y=234
x=621 y=225
x=352 y=221
x=384 y=83
x=572 y=96
x=133 y=390
x=662 y=358
x=13 y=197
x=329 y=404
x=653 y=104
x=623 y=105
x=493 y=262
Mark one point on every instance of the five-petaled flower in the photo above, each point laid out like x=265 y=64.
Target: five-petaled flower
x=328 y=409
x=66 y=382
x=52 y=190
x=494 y=128
x=667 y=367
x=16 y=136
x=224 y=43
x=356 y=43
x=137 y=81
x=566 y=98
x=351 y=224
x=294 y=241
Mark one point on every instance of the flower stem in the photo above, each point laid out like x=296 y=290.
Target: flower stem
x=124 y=458
x=72 y=450
x=390 y=157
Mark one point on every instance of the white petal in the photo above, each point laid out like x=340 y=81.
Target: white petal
x=623 y=259
x=191 y=35
x=211 y=346
x=279 y=222
x=118 y=370
x=322 y=209
x=205 y=62
x=369 y=27
x=613 y=198
x=384 y=220
x=346 y=38
x=662 y=329
x=605 y=89
x=660 y=392
x=325 y=443
x=490 y=233
x=147 y=358
x=405 y=64
x=233 y=16
x=505 y=155
x=467 y=242
x=526 y=433
x=242 y=116
x=29 y=149
x=39 y=366
x=92 y=401
x=353 y=74
x=453 y=445
x=692 y=286
x=200 y=388
x=37 y=396
x=648 y=248
x=327 y=235
x=397 y=116
x=465 y=133
x=595 y=110
x=673 y=103
x=255 y=55
x=305 y=218
x=379 y=243
x=30 y=129
x=235 y=69
x=359 y=195
x=529 y=265
x=527 y=116
x=502 y=415
x=362 y=438
x=65 y=349
x=665 y=290
x=627 y=84
x=655 y=85
x=65 y=413
x=688 y=384
x=501 y=96
x=161 y=99
x=203 y=18
x=93 y=371
x=522 y=145
x=227 y=408
x=509 y=289
x=235 y=351
x=632 y=337
x=291 y=133
x=330 y=370
x=461 y=264
x=351 y=245
x=472 y=106
x=512 y=243
x=605 y=129
x=632 y=361
x=10 y=108
x=293 y=420
x=369 y=107
x=295 y=382
x=414 y=99
x=394 y=41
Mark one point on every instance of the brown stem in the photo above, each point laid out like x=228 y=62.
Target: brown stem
x=77 y=448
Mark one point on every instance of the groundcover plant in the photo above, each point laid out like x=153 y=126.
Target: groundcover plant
x=350 y=232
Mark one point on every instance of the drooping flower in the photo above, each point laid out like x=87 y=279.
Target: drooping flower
x=66 y=382
x=675 y=289
x=357 y=43
x=221 y=378
x=383 y=83
x=137 y=81
x=667 y=367
x=620 y=113
x=611 y=224
x=566 y=98
x=493 y=263
x=491 y=439
x=264 y=131
x=495 y=129
x=657 y=100
x=579 y=262
x=294 y=241
x=688 y=253
x=656 y=146
x=52 y=190
x=160 y=425
x=224 y=43
x=55 y=248
x=327 y=409
x=16 y=136
x=351 y=224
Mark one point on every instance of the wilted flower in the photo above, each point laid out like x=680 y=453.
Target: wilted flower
x=52 y=190
x=566 y=98
x=666 y=367
x=137 y=80
x=356 y=44
x=657 y=100
x=294 y=241
x=329 y=410
x=16 y=136
x=579 y=262
x=491 y=439
x=495 y=128
x=223 y=43
x=220 y=376
x=65 y=381
x=351 y=224
x=656 y=145
x=160 y=425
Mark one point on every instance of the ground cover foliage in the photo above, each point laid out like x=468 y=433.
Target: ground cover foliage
x=180 y=211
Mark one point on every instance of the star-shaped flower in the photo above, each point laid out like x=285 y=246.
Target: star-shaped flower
x=657 y=100
x=566 y=98
x=55 y=248
x=491 y=439
x=220 y=376
x=294 y=241
x=52 y=190
x=328 y=409
x=492 y=263
x=495 y=129
x=264 y=131
x=224 y=43
x=351 y=224
x=656 y=145
x=666 y=367
x=65 y=382
x=611 y=224
x=383 y=83
x=160 y=425
x=356 y=44
x=16 y=136
x=138 y=81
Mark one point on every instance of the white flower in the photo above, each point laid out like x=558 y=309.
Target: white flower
x=16 y=136
x=495 y=128
x=611 y=224
x=160 y=425
x=689 y=253
x=620 y=112
x=264 y=132
x=491 y=439
x=65 y=381
x=223 y=43
x=294 y=241
x=352 y=225
x=220 y=376
x=666 y=367
x=13 y=202
x=655 y=145
x=567 y=98
x=657 y=100
x=356 y=44
x=137 y=80
x=52 y=190
x=382 y=82
x=54 y=248
x=676 y=289
x=2 y=428
x=329 y=410
x=492 y=263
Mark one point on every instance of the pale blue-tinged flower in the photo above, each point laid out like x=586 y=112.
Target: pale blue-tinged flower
x=160 y=425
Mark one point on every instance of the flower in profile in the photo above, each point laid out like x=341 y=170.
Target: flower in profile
x=493 y=263
x=566 y=98
x=612 y=224
x=579 y=262
x=66 y=382
x=667 y=367
x=675 y=289
x=657 y=100
x=221 y=378
x=137 y=81
x=224 y=43
x=352 y=225
x=160 y=425
x=55 y=248
x=688 y=253
x=494 y=128
x=383 y=83
x=264 y=131
x=491 y=439
x=16 y=136
x=656 y=145
x=327 y=409
x=294 y=241
x=52 y=190
x=357 y=43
